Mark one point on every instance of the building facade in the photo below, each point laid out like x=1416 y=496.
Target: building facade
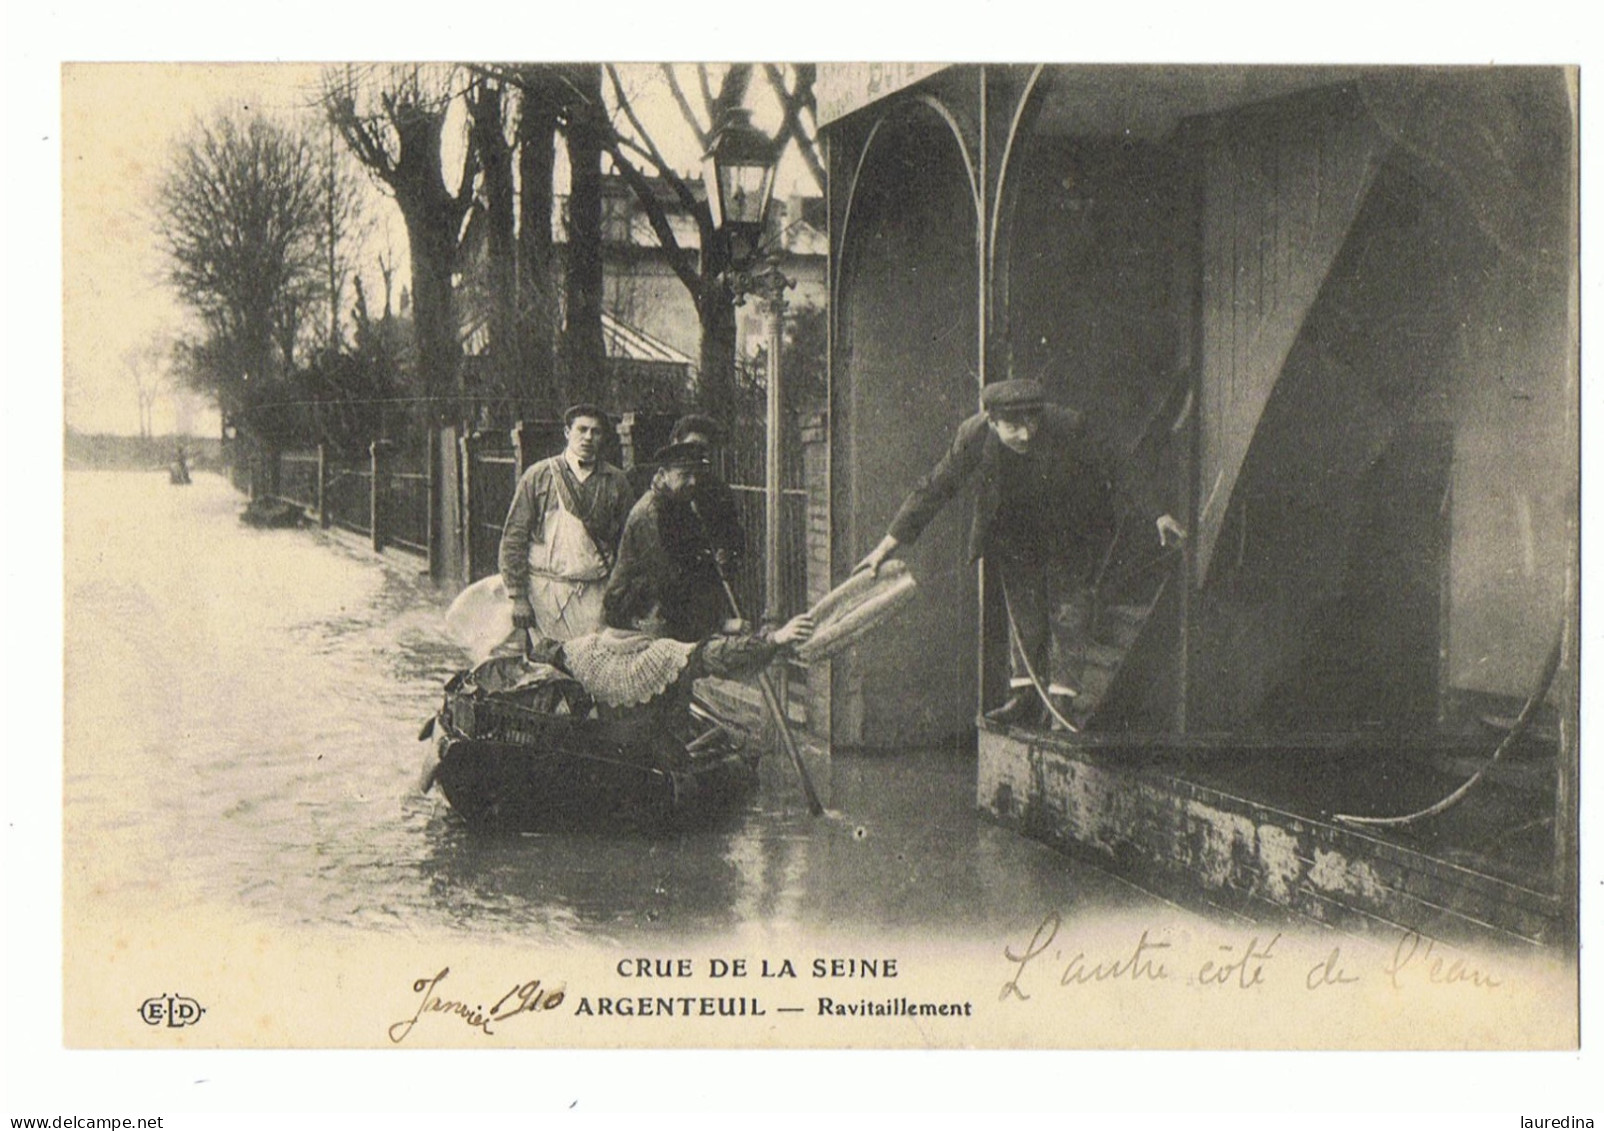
x=1327 y=315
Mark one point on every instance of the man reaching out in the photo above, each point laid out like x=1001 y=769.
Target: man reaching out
x=1044 y=514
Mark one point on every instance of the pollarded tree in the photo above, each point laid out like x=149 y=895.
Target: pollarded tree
x=238 y=212
x=394 y=120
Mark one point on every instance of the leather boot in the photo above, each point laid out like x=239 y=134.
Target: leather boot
x=1023 y=708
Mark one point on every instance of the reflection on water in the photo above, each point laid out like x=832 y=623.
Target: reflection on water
x=242 y=716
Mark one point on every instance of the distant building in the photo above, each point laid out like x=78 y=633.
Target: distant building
x=642 y=290
x=649 y=322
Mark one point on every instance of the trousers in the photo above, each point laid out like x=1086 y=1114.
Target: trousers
x=1050 y=614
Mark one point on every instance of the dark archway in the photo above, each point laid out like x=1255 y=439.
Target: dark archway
x=905 y=371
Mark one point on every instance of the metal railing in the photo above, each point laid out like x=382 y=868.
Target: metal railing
x=297 y=479
x=407 y=511
x=490 y=477
x=339 y=490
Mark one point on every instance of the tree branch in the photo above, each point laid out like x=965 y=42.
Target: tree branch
x=651 y=152
x=708 y=102
x=678 y=258
x=702 y=136
x=792 y=104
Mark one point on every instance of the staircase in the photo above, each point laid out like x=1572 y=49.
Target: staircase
x=1129 y=652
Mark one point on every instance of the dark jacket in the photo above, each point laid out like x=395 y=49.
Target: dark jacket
x=664 y=539
x=1085 y=479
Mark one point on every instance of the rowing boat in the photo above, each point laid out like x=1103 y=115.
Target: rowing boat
x=517 y=746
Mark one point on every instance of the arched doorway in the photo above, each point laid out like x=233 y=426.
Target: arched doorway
x=905 y=372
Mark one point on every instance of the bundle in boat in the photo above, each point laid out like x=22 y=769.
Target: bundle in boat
x=856 y=607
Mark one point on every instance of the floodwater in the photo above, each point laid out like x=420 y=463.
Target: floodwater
x=242 y=717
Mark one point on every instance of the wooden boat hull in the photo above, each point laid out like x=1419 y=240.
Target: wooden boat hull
x=515 y=785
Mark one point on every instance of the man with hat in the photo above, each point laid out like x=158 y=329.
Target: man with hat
x=668 y=541
x=1044 y=514
x=561 y=533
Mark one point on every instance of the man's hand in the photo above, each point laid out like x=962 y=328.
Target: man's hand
x=1168 y=528
x=734 y=626
x=876 y=556
x=523 y=613
x=722 y=557
x=794 y=631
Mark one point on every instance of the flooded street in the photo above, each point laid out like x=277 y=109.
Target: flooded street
x=242 y=717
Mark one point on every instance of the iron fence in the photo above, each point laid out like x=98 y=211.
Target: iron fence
x=348 y=497
x=491 y=476
x=298 y=479
x=406 y=517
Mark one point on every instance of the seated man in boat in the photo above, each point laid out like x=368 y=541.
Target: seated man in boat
x=641 y=679
x=668 y=540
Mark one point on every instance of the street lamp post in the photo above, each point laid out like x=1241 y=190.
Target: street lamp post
x=739 y=174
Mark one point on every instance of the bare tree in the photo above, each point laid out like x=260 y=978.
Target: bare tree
x=345 y=226
x=238 y=215
x=584 y=351
x=542 y=96
x=394 y=120
x=146 y=365
x=552 y=98
x=489 y=105
x=704 y=272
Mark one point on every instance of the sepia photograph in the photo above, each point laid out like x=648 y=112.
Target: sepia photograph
x=837 y=555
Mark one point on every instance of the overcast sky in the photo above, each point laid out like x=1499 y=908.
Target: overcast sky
x=120 y=123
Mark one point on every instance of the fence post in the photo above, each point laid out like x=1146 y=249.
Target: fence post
x=323 y=518
x=431 y=505
x=627 y=454
x=467 y=446
x=522 y=441
x=378 y=489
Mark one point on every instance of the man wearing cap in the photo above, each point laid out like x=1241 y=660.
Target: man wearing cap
x=561 y=534
x=715 y=501
x=667 y=540
x=1044 y=513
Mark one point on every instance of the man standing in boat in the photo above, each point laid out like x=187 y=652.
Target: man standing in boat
x=715 y=502
x=1044 y=514
x=561 y=533
x=668 y=539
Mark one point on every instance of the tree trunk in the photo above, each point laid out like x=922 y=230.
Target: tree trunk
x=495 y=163
x=432 y=241
x=537 y=326
x=584 y=350
x=715 y=304
x=716 y=389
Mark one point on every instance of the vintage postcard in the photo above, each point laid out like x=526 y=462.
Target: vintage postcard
x=835 y=555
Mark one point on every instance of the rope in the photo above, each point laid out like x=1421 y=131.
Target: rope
x=1545 y=680
x=1030 y=668
x=1091 y=620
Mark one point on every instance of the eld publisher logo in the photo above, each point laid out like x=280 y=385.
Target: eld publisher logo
x=171 y=1009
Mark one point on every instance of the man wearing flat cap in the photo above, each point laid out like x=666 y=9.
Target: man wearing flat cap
x=561 y=533
x=668 y=541
x=1045 y=510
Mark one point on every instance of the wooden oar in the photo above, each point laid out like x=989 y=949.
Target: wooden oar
x=770 y=699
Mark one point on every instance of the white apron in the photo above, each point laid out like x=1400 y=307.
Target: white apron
x=567 y=576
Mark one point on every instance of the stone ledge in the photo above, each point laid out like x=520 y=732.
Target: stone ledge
x=1111 y=805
